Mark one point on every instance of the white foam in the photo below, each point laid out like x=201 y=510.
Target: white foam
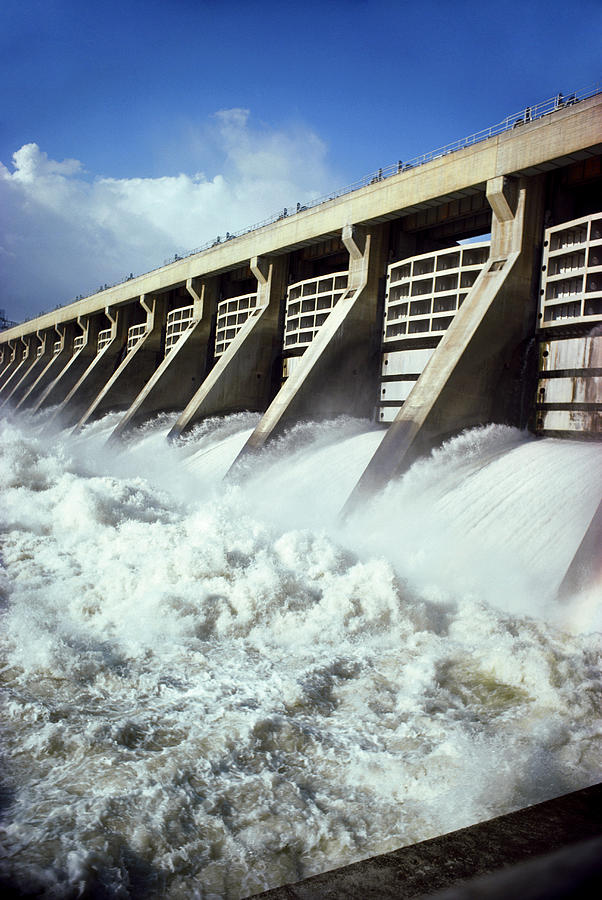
x=217 y=688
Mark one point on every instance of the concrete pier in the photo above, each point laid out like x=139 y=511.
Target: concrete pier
x=57 y=354
x=110 y=348
x=40 y=355
x=142 y=354
x=337 y=371
x=243 y=376
x=185 y=363
x=469 y=377
x=14 y=356
x=27 y=360
x=83 y=350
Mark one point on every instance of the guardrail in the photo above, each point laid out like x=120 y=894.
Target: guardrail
x=515 y=120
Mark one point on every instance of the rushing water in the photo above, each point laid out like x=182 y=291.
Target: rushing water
x=212 y=688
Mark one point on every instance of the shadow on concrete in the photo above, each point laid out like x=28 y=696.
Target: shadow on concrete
x=551 y=850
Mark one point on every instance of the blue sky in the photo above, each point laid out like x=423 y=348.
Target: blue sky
x=144 y=128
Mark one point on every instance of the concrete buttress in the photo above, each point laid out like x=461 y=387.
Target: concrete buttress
x=28 y=358
x=14 y=358
x=183 y=368
x=59 y=387
x=7 y=355
x=55 y=363
x=585 y=570
x=243 y=377
x=99 y=369
x=39 y=362
x=470 y=378
x=136 y=368
x=337 y=371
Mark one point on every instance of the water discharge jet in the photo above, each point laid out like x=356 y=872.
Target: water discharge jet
x=243 y=692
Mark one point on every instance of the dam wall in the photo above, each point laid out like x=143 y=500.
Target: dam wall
x=449 y=292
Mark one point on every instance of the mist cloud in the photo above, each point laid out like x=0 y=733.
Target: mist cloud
x=65 y=231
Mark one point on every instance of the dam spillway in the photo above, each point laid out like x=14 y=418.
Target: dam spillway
x=377 y=303
x=219 y=686
x=225 y=690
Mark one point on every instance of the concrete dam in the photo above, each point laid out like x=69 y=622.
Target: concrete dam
x=375 y=303
x=217 y=688
x=378 y=303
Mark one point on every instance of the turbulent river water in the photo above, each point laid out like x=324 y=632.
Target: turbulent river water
x=211 y=688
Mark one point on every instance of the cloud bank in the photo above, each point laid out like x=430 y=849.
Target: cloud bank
x=64 y=231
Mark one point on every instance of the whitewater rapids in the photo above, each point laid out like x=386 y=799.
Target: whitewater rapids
x=214 y=688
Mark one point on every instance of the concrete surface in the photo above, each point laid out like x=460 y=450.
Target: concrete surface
x=183 y=369
x=553 y=849
x=337 y=370
x=59 y=387
x=244 y=377
x=468 y=379
x=39 y=363
x=66 y=331
x=135 y=369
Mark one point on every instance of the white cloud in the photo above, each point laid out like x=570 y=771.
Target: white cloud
x=64 y=232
